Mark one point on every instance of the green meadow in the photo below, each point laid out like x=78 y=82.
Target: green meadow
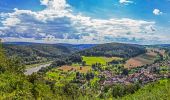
x=103 y=60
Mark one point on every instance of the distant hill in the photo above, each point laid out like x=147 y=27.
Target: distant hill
x=159 y=46
x=20 y=43
x=114 y=49
x=79 y=46
x=74 y=46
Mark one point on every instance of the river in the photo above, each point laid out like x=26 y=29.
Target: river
x=29 y=71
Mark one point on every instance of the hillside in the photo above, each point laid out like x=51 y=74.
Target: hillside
x=35 y=53
x=114 y=49
x=153 y=91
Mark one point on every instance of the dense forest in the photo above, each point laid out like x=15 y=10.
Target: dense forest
x=114 y=49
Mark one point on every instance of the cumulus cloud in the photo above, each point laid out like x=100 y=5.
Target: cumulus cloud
x=58 y=23
x=11 y=21
x=157 y=12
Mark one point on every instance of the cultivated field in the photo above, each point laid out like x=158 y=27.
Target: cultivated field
x=141 y=60
x=81 y=69
x=103 y=60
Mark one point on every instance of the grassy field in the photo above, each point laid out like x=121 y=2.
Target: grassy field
x=141 y=60
x=155 y=91
x=103 y=60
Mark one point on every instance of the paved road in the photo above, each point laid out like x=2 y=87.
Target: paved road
x=35 y=69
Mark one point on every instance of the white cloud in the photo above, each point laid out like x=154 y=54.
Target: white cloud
x=58 y=23
x=125 y=1
x=11 y=21
x=44 y=2
x=157 y=12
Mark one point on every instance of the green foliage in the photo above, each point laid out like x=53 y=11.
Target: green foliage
x=122 y=90
x=14 y=86
x=3 y=61
x=41 y=91
x=60 y=78
x=155 y=91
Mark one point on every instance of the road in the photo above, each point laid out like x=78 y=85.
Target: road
x=29 y=71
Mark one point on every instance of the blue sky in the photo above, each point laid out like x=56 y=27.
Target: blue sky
x=85 y=21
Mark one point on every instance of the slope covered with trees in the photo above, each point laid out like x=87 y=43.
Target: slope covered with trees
x=114 y=49
x=35 y=53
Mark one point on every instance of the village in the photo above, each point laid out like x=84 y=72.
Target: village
x=144 y=74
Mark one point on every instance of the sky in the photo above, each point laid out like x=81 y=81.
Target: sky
x=85 y=21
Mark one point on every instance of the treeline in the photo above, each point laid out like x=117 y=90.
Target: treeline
x=114 y=49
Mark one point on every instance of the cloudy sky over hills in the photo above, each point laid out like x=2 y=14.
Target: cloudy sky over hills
x=85 y=21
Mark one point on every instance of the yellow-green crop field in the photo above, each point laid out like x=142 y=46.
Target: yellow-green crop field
x=103 y=60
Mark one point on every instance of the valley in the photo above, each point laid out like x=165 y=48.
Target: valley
x=84 y=49
x=96 y=72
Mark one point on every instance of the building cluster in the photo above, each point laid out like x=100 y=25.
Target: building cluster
x=143 y=75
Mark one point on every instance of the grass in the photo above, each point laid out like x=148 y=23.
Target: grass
x=103 y=60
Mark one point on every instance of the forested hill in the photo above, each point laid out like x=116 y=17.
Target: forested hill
x=35 y=53
x=114 y=49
